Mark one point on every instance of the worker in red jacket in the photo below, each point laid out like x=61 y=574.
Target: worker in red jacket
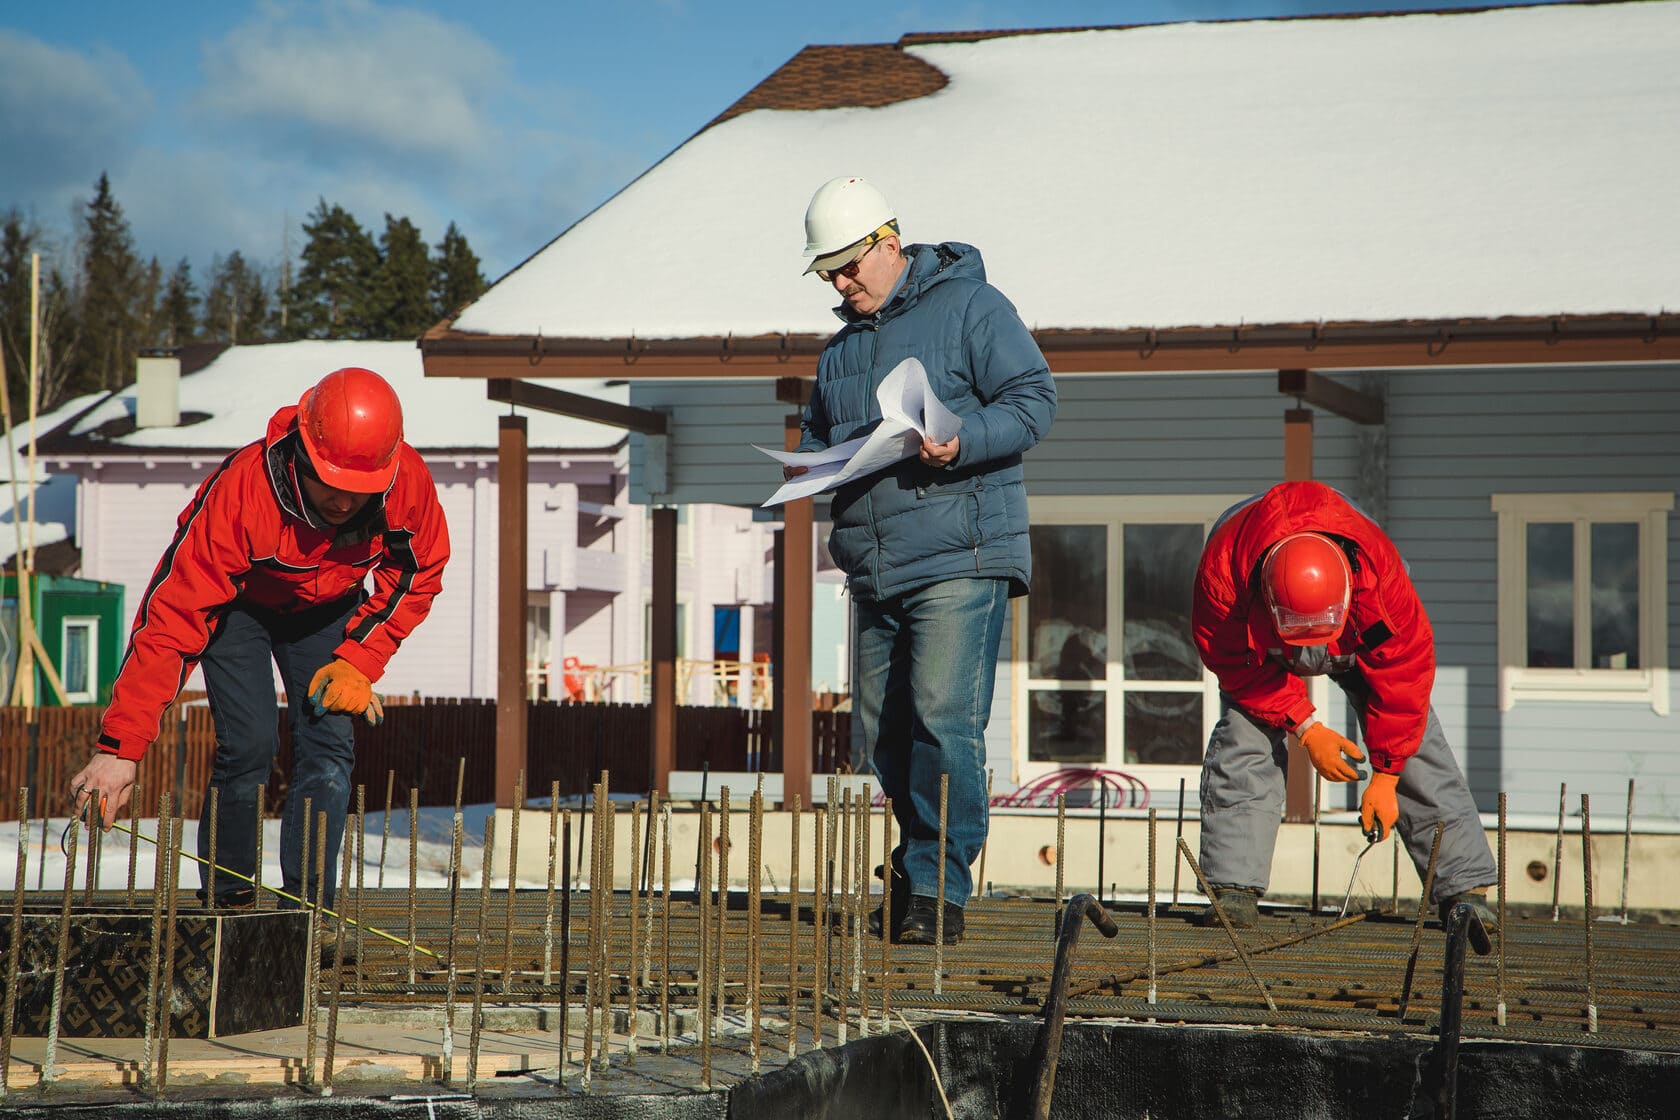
x=268 y=568
x=1294 y=583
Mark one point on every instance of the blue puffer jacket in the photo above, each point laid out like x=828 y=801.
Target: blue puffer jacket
x=912 y=525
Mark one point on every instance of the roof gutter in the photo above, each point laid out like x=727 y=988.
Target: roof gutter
x=1563 y=339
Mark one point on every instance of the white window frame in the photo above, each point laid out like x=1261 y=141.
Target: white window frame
x=91 y=624
x=1646 y=685
x=685 y=638
x=1115 y=511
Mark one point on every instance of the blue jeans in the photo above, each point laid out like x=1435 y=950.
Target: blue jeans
x=240 y=684
x=922 y=679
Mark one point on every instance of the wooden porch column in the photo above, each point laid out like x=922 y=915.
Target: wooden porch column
x=791 y=686
x=662 y=657
x=512 y=472
x=1298 y=467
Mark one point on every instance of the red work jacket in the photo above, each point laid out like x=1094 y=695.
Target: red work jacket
x=248 y=536
x=1387 y=635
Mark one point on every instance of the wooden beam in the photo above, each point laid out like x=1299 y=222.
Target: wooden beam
x=1564 y=339
x=511 y=476
x=1312 y=388
x=794 y=390
x=562 y=403
x=1298 y=467
x=791 y=685
x=662 y=657
x=1298 y=445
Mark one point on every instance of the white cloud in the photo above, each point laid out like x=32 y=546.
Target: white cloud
x=351 y=80
x=65 y=116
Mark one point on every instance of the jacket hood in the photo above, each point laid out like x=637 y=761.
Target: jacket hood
x=281 y=447
x=930 y=265
x=280 y=425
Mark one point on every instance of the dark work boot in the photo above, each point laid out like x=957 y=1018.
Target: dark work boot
x=1241 y=906
x=900 y=897
x=1478 y=902
x=921 y=922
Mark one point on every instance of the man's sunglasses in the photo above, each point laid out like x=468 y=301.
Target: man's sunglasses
x=849 y=271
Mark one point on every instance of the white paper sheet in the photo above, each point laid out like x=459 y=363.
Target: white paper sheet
x=909 y=412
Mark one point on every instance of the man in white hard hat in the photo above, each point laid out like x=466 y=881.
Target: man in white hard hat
x=934 y=547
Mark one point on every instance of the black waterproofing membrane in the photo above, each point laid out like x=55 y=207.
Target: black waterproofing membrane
x=987 y=1070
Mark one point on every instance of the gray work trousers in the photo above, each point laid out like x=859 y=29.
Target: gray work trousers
x=1242 y=806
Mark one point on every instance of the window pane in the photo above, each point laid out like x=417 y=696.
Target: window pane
x=1064 y=725
x=1615 y=596
x=1067 y=613
x=1164 y=728
x=1551 y=598
x=76 y=653
x=1160 y=567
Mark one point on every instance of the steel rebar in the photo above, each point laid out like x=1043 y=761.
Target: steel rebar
x=1048 y=1049
x=793 y=930
x=166 y=988
x=61 y=958
x=257 y=867
x=1236 y=942
x=1627 y=851
x=340 y=935
x=1178 y=838
x=447 y=1064
x=133 y=846
x=1151 y=907
x=939 y=904
x=1557 y=857
x=1056 y=855
x=210 y=852
x=515 y=813
x=1587 y=908
x=385 y=826
x=8 y=1017
x=1417 y=926
x=475 y=1030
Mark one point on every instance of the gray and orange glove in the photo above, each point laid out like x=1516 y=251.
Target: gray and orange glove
x=1380 y=805
x=1325 y=748
x=341 y=687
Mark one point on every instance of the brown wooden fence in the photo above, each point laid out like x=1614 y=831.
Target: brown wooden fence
x=423 y=743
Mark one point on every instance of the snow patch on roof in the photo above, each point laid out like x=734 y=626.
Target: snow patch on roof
x=1434 y=166
x=246 y=385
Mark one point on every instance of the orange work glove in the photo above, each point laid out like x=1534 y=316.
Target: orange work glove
x=341 y=687
x=1325 y=748
x=1379 y=805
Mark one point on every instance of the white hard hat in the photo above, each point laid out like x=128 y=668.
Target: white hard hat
x=845 y=214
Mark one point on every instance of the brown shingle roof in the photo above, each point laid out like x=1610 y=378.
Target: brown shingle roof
x=835 y=77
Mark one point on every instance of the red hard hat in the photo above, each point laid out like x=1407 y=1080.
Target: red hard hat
x=351 y=424
x=1308 y=585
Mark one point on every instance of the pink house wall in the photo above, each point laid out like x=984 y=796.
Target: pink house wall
x=127 y=508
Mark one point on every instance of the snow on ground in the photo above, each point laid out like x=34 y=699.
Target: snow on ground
x=431 y=863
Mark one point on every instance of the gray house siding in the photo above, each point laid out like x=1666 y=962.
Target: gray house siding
x=1457 y=437
x=1453 y=439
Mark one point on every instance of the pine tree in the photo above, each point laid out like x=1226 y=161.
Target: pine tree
x=178 y=312
x=62 y=372
x=111 y=289
x=148 y=304
x=236 y=306
x=456 y=279
x=401 y=302
x=333 y=293
x=17 y=242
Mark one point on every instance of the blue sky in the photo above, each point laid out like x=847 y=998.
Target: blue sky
x=222 y=123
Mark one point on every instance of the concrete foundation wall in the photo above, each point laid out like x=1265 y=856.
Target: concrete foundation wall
x=1021 y=856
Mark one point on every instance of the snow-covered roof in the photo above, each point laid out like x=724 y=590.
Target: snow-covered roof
x=246 y=385
x=1511 y=162
x=54 y=503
